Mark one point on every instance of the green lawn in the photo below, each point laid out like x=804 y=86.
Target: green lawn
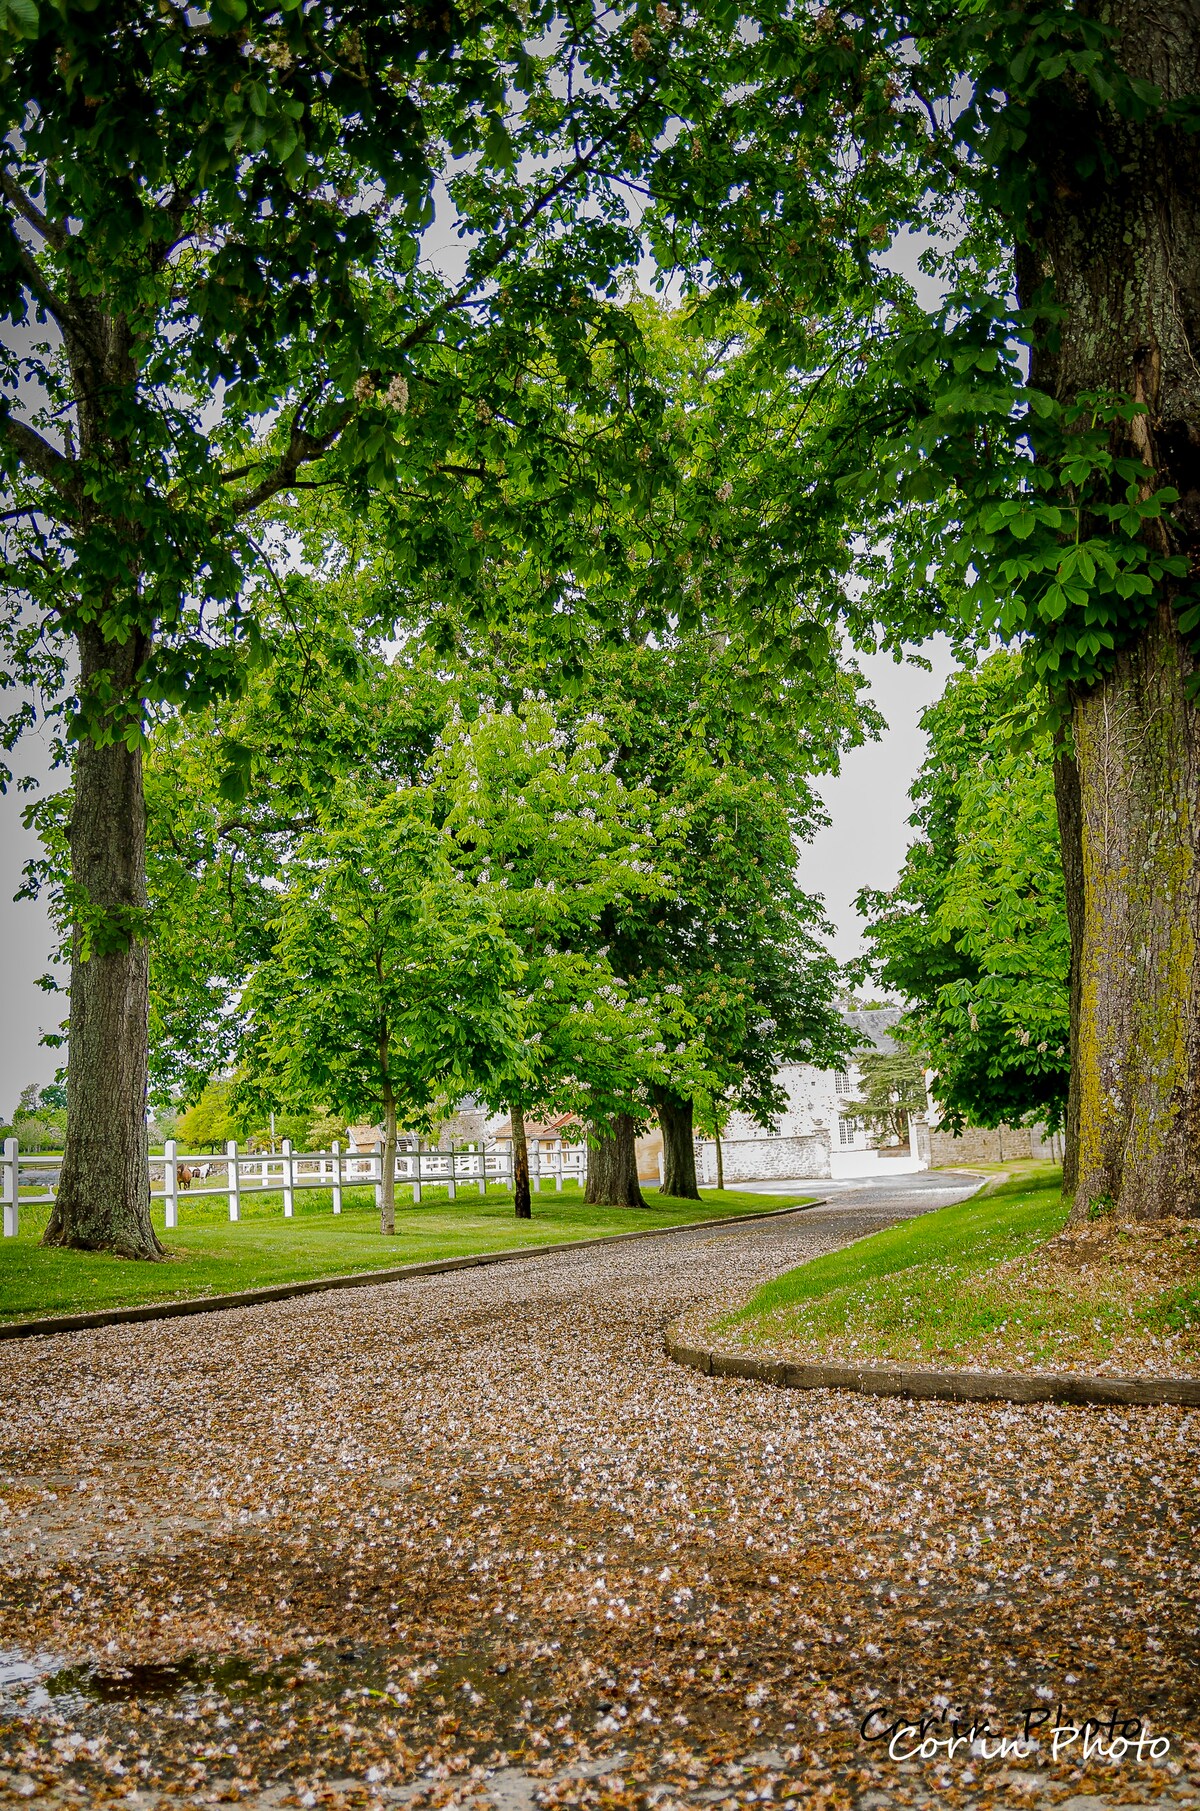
x=918 y=1289
x=209 y=1256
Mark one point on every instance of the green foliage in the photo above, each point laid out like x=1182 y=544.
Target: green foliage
x=211 y=1121
x=974 y=934
x=215 y=867
x=39 y=1120
x=322 y=1131
x=34 y=1099
x=389 y=981
x=991 y=501
x=253 y=199
x=723 y=712
x=559 y=845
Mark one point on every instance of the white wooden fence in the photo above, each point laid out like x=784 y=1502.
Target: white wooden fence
x=28 y=1181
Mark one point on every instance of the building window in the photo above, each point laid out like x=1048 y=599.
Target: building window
x=848 y=1129
x=841 y=1082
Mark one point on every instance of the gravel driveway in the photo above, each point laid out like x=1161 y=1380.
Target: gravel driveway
x=473 y=1538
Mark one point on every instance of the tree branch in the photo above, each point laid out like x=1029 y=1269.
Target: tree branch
x=582 y=162
x=40 y=456
x=36 y=283
x=302 y=448
x=50 y=231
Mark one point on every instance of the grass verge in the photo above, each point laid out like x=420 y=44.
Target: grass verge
x=998 y=1282
x=207 y=1255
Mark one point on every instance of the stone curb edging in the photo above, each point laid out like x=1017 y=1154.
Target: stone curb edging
x=360 y=1279
x=950 y=1386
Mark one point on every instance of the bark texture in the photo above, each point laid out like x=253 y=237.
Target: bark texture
x=1070 y=836
x=1120 y=246
x=522 y=1200
x=612 y=1178
x=1139 y=1017
x=679 y=1151
x=103 y=1201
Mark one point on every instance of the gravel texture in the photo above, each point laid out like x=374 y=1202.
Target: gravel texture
x=474 y=1539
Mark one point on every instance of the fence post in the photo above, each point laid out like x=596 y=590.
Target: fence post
x=535 y=1166
x=12 y=1189
x=416 y=1157
x=337 y=1177
x=452 y=1190
x=170 y=1185
x=482 y=1154
x=289 y=1199
x=558 y=1165
x=231 y=1178
x=379 y=1171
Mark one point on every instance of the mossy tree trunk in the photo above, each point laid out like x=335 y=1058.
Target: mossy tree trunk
x=1117 y=237
x=612 y=1178
x=1138 y=742
x=675 y=1116
x=522 y=1199
x=103 y=1200
x=1070 y=836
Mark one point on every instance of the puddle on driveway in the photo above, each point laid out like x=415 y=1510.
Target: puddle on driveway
x=45 y=1684
x=401 y=1723
x=33 y=1684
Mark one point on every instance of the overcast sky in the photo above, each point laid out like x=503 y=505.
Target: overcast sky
x=868 y=802
x=26 y=941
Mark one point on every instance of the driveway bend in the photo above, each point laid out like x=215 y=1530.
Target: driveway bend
x=473 y=1539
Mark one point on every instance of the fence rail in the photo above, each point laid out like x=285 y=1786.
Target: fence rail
x=176 y=1175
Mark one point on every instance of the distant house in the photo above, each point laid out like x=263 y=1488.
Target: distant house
x=564 y=1128
x=470 y=1125
x=816 y=1135
x=365 y=1138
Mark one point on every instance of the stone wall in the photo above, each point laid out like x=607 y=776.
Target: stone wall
x=980 y=1144
x=760 y=1159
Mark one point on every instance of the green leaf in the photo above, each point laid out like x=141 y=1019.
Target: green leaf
x=19 y=18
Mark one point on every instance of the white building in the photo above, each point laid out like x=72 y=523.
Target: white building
x=814 y=1136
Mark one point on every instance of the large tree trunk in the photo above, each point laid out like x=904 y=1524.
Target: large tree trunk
x=1115 y=228
x=522 y=1200
x=1070 y=836
x=1138 y=742
x=679 y=1150
x=103 y=1201
x=612 y=1178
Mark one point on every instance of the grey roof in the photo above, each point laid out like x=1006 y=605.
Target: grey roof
x=874 y=1024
